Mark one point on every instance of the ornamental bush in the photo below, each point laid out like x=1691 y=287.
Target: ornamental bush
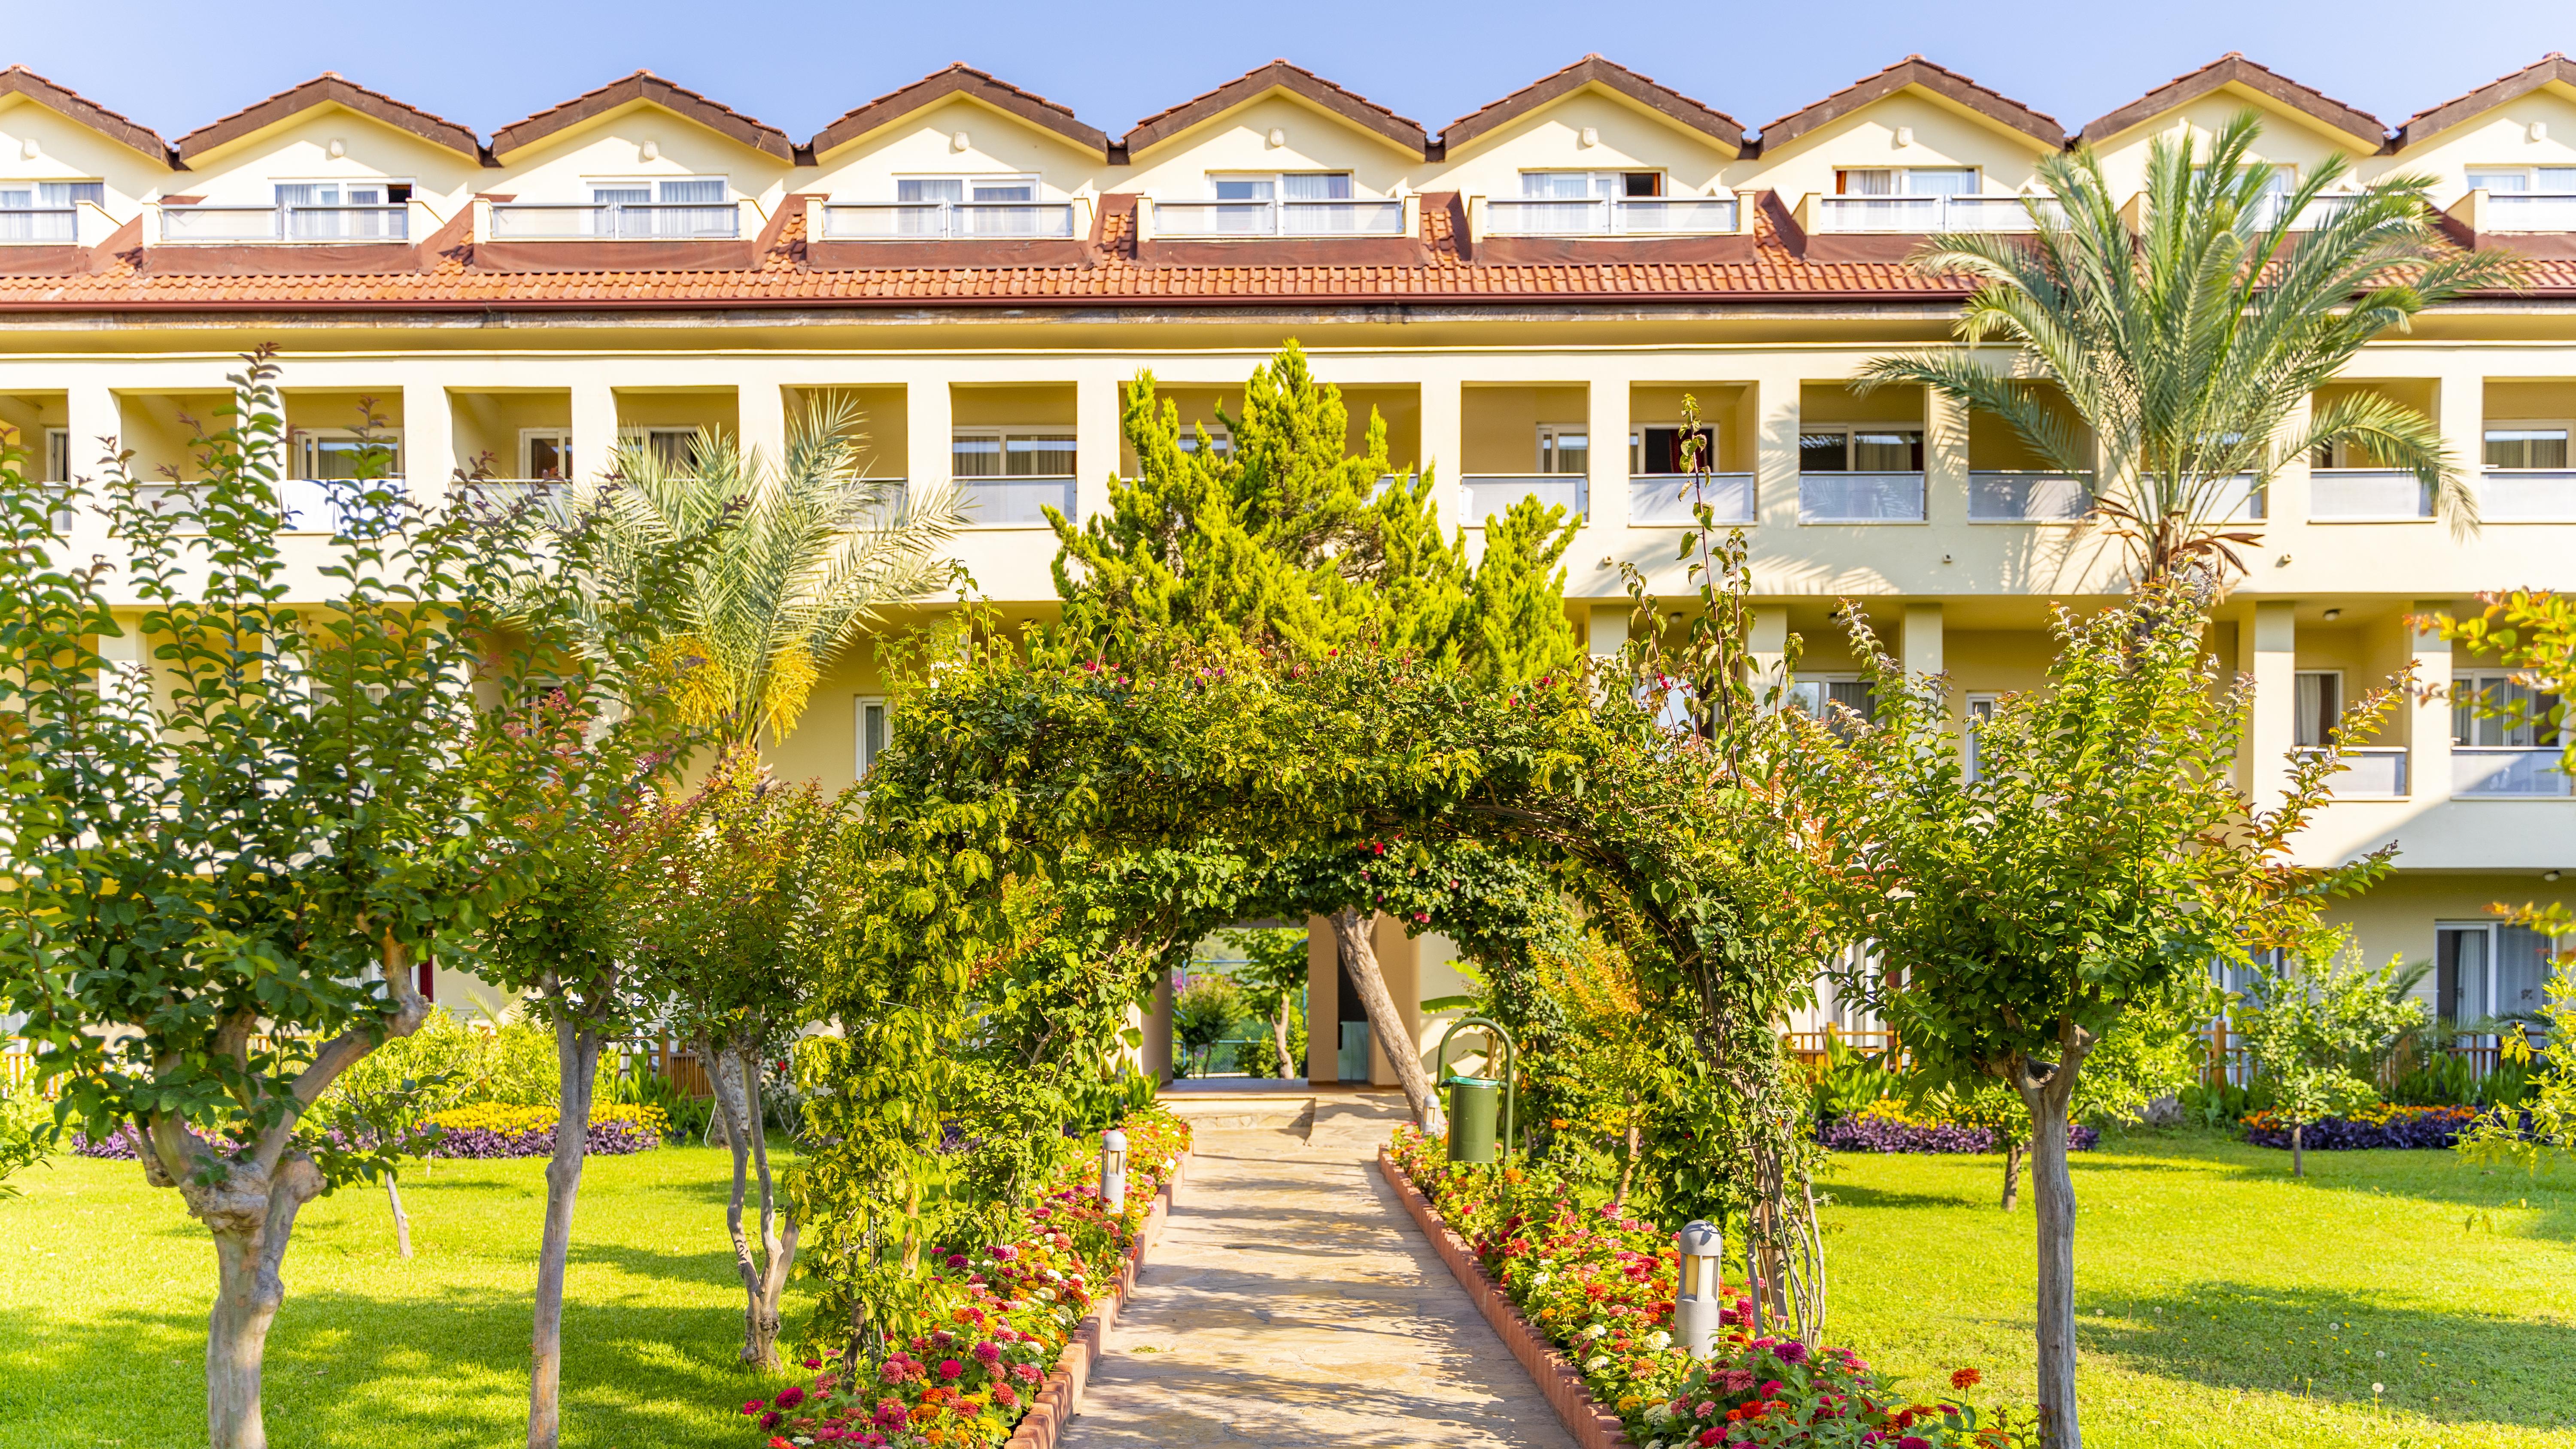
x=492 y=1129
x=2383 y=1126
x=1887 y=1126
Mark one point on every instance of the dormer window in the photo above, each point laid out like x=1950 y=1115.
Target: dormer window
x=2527 y=198
x=1921 y=200
x=1279 y=203
x=933 y=208
x=1580 y=185
x=45 y=211
x=692 y=208
x=1604 y=203
x=344 y=210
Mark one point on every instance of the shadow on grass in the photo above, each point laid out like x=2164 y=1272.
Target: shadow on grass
x=2333 y=1345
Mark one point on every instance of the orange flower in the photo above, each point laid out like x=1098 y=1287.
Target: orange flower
x=1966 y=1378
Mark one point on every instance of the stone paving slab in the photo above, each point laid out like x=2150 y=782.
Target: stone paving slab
x=1291 y=1302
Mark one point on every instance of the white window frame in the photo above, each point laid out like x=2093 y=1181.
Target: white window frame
x=2473 y=683
x=863 y=755
x=2530 y=175
x=654 y=184
x=2492 y=930
x=2297 y=721
x=1004 y=433
x=629 y=437
x=1220 y=439
x=1921 y=431
x=303 y=440
x=528 y=438
x=58 y=455
x=1279 y=185
x=1552 y=438
x=2508 y=425
x=1904 y=178
x=967 y=181
x=1811 y=692
x=1975 y=709
x=1595 y=180
x=1637 y=445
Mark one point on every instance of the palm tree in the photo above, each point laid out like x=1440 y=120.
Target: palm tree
x=2186 y=349
x=778 y=569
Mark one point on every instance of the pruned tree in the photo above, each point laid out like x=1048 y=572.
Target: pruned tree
x=2304 y=1020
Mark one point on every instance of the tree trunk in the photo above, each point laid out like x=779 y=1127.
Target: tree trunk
x=2298 y=1149
x=2047 y=1091
x=764 y=1272
x=252 y=1214
x=1386 y=1024
x=402 y=1220
x=1628 y=1167
x=577 y=1057
x=2012 y=1175
x=1279 y=1039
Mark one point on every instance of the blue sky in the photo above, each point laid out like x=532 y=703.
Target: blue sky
x=174 y=67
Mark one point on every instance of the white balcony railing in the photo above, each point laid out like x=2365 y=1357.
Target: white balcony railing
x=1662 y=500
x=1013 y=502
x=2320 y=212
x=1612 y=216
x=2527 y=495
x=2369 y=772
x=1925 y=214
x=2374 y=493
x=2522 y=773
x=310 y=507
x=285 y=223
x=2021 y=497
x=945 y=221
x=1860 y=498
x=2510 y=211
x=572 y=221
x=1484 y=495
x=39 y=224
x=1227 y=220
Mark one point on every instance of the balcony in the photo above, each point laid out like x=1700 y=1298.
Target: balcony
x=2526 y=211
x=1612 y=216
x=947 y=221
x=2365 y=494
x=2318 y=213
x=2517 y=773
x=310 y=507
x=1242 y=220
x=1664 y=500
x=1013 y=502
x=1860 y=498
x=615 y=221
x=266 y=225
x=2375 y=772
x=2027 y=497
x=2527 y=495
x=1926 y=214
x=1491 y=495
x=59 y=224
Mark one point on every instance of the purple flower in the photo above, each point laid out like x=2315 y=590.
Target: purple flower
x=1791 y=1352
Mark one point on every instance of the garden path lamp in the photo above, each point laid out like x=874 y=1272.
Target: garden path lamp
x=1472 y=1100
x=1697 y=1303
x=1113 y=1169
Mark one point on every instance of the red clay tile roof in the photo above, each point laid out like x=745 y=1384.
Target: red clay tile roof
x=1298 y=81
x=326 y=89
x=644 y=85
x=81 y=110
x=2233 y=67
x=1941 y=81
x=2553 y=68
x=959 y=79
x=1593 y=70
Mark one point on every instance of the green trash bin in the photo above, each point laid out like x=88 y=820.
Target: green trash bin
x=1475 y=1102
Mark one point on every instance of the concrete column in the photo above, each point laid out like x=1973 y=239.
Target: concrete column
x=1323 y=1003
x=428 y=440
x=760 y=410
x=594 y=428
x=1158 y=1030
x=1444 y=443
x=2287 y=500
x=1095 y=441
x=1922 y=642
x=1945 y=462
x=927 y=431
x=127 y=663
x=1775 y=449
x=1608 y=482
x=94 y=427
x=2460 y=407
x=2267 y=650
x=1400 y=962
x=2428 y=709
x=1769 y=646
x=1606 y=631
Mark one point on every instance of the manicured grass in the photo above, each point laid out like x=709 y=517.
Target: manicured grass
x=2222 y=1302
x=104 y=1285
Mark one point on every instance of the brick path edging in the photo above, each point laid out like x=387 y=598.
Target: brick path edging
x=1061 y=1399
x=1592 y=1426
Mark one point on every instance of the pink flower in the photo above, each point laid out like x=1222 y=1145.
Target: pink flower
x=1708 y=1438
x=1027 y=1373
x=755 y=1406
x=890 y=1414
x=789 y=1397
x=950 y=1368
x=813 y=1363
x=1913 y=1441
x=771 y=1419
x=1003 y=1396
x=989 y=1353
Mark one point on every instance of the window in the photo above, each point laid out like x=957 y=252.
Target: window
x=2318 y=701
x=2488 y=969
x=1656 y=450
x=40 y=211
x=2493 y=711
x=674 y=448
x=1564 y=448
x=1861 y=448
x=1010 y=453
x=333 y=453
x=1981 y=708
x=58 y=455
x=690 y=207
x=1220 y=442
x=1820 y=696
x=2523 y=180
x=545 y=453
x=1283 y=186
x=965 y=190
x=333 y=210
x=1591 y=185
x=871 y=733
x=2527 y=445
x=1907 y=181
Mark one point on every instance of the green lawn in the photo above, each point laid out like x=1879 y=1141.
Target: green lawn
x=104 y=1285
x=2221 y=1302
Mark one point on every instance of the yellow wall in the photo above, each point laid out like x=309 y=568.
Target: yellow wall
x=1626 y=137
x=610 y=147
x=998 y=144
x=1941 y=135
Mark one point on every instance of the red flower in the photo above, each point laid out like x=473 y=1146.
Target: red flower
x=755 y=1406
x=1966 y=1378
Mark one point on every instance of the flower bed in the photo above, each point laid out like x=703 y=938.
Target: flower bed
x=1886 y=1126
x=485 y=1130
x=1599 y=1284
x=2382 y=1126
x=1010 y=1311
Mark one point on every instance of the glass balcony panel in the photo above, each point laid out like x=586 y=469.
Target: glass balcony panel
x=1492 y=495
x=2490 y=773
x=2368 y=493
x=895 y=221
x=543 y=221
x=39 y=224
x=2527 y=495
x=1680 y=216
x=2377 y=771
x=1013 y=502
x=677 y=222
x=623 y=221
x=1546 y=218
x=348 y=223
x=2001 y=497
x=1659 y=500
x=1341 y=218
x=2530 y=212
x=1012 y=219
x=219 y=223
x=1860 y=498
x=1227 y=219
x=1879 y=213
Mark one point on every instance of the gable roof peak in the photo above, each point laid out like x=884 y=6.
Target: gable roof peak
x=2551 y=69
x=960 y=79
x=1595 y=70
x=1940 y=80
x=329 y=88
x=1298 y=81
x=80 y=110
x=2234 y=69
x=644 y=85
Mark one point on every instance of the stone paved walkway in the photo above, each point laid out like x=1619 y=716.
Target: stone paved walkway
x=1291 y=1302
